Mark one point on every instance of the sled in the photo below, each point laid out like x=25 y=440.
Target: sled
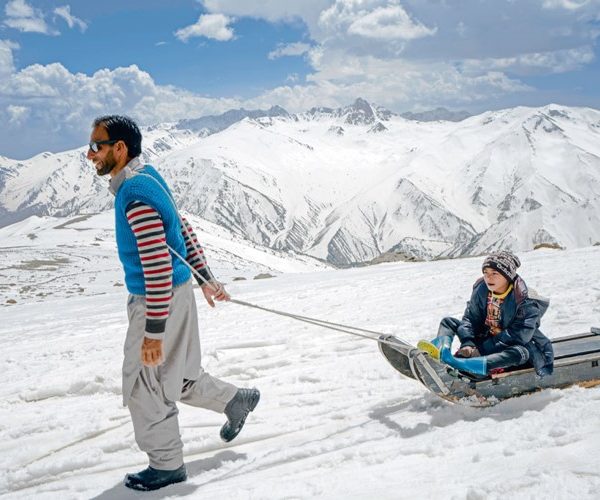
x=576 y=361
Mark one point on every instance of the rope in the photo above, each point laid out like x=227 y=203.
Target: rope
x=351 y=330
x=213 y=284
x=398 y=343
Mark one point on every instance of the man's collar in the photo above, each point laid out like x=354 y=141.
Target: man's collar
x=128 y=171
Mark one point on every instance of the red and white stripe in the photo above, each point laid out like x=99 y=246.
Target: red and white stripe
x=149 y=232
x=194 y=251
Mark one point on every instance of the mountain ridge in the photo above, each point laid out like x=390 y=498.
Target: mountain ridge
x=321 y=183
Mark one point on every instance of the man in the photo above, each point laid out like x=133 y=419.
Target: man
x=162 y=347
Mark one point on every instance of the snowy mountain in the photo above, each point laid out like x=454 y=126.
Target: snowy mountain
x=64 y=183
x=359 y=113
x=349 y=185
x=212 y=124
x=436 y=115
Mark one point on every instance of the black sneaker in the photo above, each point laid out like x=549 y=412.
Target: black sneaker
x=153 y=479
x=236 y=411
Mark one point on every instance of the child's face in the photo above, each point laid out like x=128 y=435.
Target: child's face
x=495 y=281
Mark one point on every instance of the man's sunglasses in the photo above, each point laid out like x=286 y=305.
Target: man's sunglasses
x=95 y=145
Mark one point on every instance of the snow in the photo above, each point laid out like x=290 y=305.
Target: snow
x=288 y=182
x=335 y=420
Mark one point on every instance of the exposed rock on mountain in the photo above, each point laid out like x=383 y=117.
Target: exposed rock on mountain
x=437 y=114
x=325 y=184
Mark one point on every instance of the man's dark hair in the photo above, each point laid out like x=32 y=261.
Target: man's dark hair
x=124 y=129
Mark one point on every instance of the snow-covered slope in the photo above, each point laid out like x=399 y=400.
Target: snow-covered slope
x=347 y=185
x=49 y=258
x=325 y=185
x=334 y=421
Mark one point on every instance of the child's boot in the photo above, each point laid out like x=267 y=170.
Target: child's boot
x=435 y=347
x=477 y=366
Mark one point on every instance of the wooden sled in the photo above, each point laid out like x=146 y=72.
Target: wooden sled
x=576 y=361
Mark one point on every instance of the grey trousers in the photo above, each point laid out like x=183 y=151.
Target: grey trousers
x=152 y=394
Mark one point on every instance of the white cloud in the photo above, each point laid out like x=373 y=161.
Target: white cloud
x=403 y=52
x=7 y=65
x=568 y=4
x=127 y=88
x=17 y=114
x=29 y=24
x=559 y=61
x=23 y=17
x=290 y=49
x=61 y=105
x=400 y=54
x=377 y=19
x=52 y=103
x=271 y=10
x=19 y=8
x=215 y=26
x=397 y=84
x=387 y=23
x=72 y=21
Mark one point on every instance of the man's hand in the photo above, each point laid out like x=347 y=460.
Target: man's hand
x=152 y=354
x=214 y=290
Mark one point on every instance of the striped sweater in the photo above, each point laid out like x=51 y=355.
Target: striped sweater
x=156 y=261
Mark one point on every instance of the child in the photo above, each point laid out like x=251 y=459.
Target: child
x=500 y=327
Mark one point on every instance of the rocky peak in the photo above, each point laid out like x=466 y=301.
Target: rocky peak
x=212 y=124
x=437 y=114
x=359 y=113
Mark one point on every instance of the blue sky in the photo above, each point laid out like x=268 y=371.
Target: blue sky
x=63 y=62
x=143 y=33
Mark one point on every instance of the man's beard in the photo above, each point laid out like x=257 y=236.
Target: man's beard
x=107 y=165
x=105 y=169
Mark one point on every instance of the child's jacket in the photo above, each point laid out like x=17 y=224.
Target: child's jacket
x=520 y=321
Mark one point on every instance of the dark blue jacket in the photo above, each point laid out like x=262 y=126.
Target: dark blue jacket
x=520 y=317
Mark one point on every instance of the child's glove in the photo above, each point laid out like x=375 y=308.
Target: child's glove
x=467 y=351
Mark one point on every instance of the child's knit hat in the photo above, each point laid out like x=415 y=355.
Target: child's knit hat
x=504 y=262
